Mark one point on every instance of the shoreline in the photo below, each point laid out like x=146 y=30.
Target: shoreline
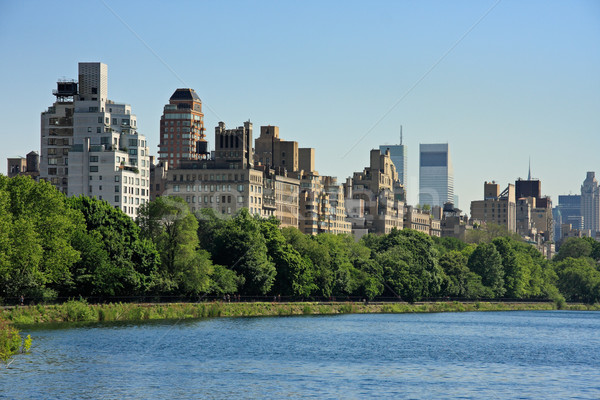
x=80 y=311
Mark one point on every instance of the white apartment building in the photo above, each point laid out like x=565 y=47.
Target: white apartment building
x=107 y=158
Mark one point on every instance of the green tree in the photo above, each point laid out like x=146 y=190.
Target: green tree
x=223 y=280
x=578 y=279
x=488 y=232
x=574 y=248
x=184 y=267
x=447 y=244
x=461 y=282
x=486 y=262
x=344 y=274
x=317 y=256
x=515 y=273
x=115 y=260
x=409 y=262
x=240 y=245
x=294 y=273
x=35 y=244
x=595 y=253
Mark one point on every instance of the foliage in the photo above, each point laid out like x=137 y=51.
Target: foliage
x=488 y=232
x=575 y=248
x=461 y=282
x=486 y=262
x=114 y=259
x=293 y=273
x=11 y=342
x=36 y=227
x=241 y=246
x=410 y=264
x=579 y=279
x=170 y=225
x=53 y=246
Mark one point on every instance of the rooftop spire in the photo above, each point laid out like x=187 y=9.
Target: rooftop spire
x=529 y=174
x=400 y=134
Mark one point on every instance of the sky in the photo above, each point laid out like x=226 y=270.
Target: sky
x=501 y=82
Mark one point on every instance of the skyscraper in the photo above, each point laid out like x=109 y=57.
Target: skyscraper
x=436 y=177
x=568 y=211
x=182 y=134
x=398 y=156
x=590 y=203
x=90 y=145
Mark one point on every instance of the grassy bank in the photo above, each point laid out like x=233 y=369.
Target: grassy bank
x=77 y=311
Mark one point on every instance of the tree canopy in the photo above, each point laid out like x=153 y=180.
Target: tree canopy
x=53 y=246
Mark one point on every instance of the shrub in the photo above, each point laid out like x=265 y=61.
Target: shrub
x=78 y=310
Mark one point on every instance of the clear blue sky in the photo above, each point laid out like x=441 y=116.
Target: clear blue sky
x=524 y=82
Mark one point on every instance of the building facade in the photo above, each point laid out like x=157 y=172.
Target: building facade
x=182 y=134
x=25 y=166
x=398 y=154
x=422 y=221
x=568 y=211
x=90 y=144
x=230 y=181
x=381 y=193
x=57 y=136
x=436 y=175
x=453 y=223
x=590 y=203
x=497 y=207
x=322 y=205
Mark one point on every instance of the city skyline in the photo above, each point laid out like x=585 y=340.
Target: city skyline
x=498 y=81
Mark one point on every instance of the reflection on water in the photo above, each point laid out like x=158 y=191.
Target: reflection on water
x=535 y=354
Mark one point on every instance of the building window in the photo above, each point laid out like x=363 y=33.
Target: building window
x=93 y=168
x=116 y=199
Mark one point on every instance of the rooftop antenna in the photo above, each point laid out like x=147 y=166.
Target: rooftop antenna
x=400 y=134
x=529 y=175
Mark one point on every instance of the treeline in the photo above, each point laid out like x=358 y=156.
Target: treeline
x=52 y=246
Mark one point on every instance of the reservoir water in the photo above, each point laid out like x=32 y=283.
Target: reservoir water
x=491 y=355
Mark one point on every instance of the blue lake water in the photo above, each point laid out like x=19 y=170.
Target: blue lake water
x=485 y=355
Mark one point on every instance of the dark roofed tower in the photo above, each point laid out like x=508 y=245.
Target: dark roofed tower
x=182 y=134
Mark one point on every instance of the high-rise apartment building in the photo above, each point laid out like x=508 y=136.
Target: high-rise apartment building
x=590 y=203
x=57 y=135
x=182 y=134
x=90 y=145
x=436 y=176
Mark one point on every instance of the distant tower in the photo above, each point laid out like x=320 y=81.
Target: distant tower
x=398 y=156
x=590 y=203
x=182 y=134
x=436 y=176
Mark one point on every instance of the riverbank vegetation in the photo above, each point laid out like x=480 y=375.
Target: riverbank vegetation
x=53 y=247
x=81 y=311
